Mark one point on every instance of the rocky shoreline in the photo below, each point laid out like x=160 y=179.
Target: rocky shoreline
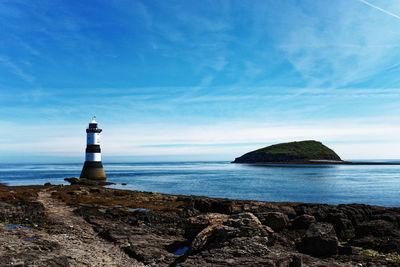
x=86 y=225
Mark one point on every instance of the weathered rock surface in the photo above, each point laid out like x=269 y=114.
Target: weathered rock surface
x=275 y=220
x=303 y=221
x=82 y=225
x=319 y=240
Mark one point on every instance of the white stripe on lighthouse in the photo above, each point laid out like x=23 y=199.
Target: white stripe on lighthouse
x=93 y=157
x=93 y=139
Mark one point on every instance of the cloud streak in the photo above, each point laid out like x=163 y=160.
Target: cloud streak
x=380 y=9
x=15 y=69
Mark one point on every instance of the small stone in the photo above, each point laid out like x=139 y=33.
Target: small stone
x=230 y=261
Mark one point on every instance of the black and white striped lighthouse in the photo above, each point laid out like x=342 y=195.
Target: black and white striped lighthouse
x=93 y=168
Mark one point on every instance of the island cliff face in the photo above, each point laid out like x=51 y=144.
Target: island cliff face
x=293 y=152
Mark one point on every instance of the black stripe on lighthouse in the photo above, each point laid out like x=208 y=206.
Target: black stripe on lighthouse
x=93 y=164
x=93 y=149
x=92 y=130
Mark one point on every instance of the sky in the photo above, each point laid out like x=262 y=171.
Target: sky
x=198 y=80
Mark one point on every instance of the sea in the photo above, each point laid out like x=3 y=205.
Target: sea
x=331 y=184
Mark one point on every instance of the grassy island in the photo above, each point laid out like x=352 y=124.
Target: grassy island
x=293 y=152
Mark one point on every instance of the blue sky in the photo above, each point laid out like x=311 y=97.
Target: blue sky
x=198 y=80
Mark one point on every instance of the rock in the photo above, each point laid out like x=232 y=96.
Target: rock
x=204 y=220
x=357 y=213
x=375 y=228
x=343 y=226
x=303 y=221
x=203 y=237
x=384 y=244
x=297 y=261
x=95 y=190
x=222 y=229
x=243 y=219
x=149 y=255
x=84 y=181
x=319 y=211
x=349 y=250
x=196 y=224
x=276 y=220
x=289 y=211
x=213 y=205
x=47 y=184
x=386 y=216
x=380 y=235
x=320 y=240
x=344 y=250
x=71 y=180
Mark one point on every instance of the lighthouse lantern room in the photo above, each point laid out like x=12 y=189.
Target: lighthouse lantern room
x=93 y=167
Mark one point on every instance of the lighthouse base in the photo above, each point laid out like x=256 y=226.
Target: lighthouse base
x=93 y=170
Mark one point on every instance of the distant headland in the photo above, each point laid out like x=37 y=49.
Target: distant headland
x=301 y=152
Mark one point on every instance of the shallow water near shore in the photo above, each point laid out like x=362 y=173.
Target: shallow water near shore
x=332 y=184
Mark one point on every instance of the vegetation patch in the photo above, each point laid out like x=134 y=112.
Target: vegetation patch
x=375 y=254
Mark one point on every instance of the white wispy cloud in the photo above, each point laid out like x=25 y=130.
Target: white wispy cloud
x=380 y=9
x=225 y=139
x=16 y=69
x=333 y=47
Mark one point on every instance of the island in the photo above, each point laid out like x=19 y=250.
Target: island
x=300 y=152
x=293 y=152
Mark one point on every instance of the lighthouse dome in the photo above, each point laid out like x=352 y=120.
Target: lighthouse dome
x=93 y=123
x=93 y=119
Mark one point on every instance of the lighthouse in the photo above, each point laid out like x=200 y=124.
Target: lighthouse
x=93 y=168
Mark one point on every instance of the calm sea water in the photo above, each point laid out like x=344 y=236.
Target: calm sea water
x=376 y=185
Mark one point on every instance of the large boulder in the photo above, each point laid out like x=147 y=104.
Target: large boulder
x=320 y=240
x=219 y=229
x=343 y=226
